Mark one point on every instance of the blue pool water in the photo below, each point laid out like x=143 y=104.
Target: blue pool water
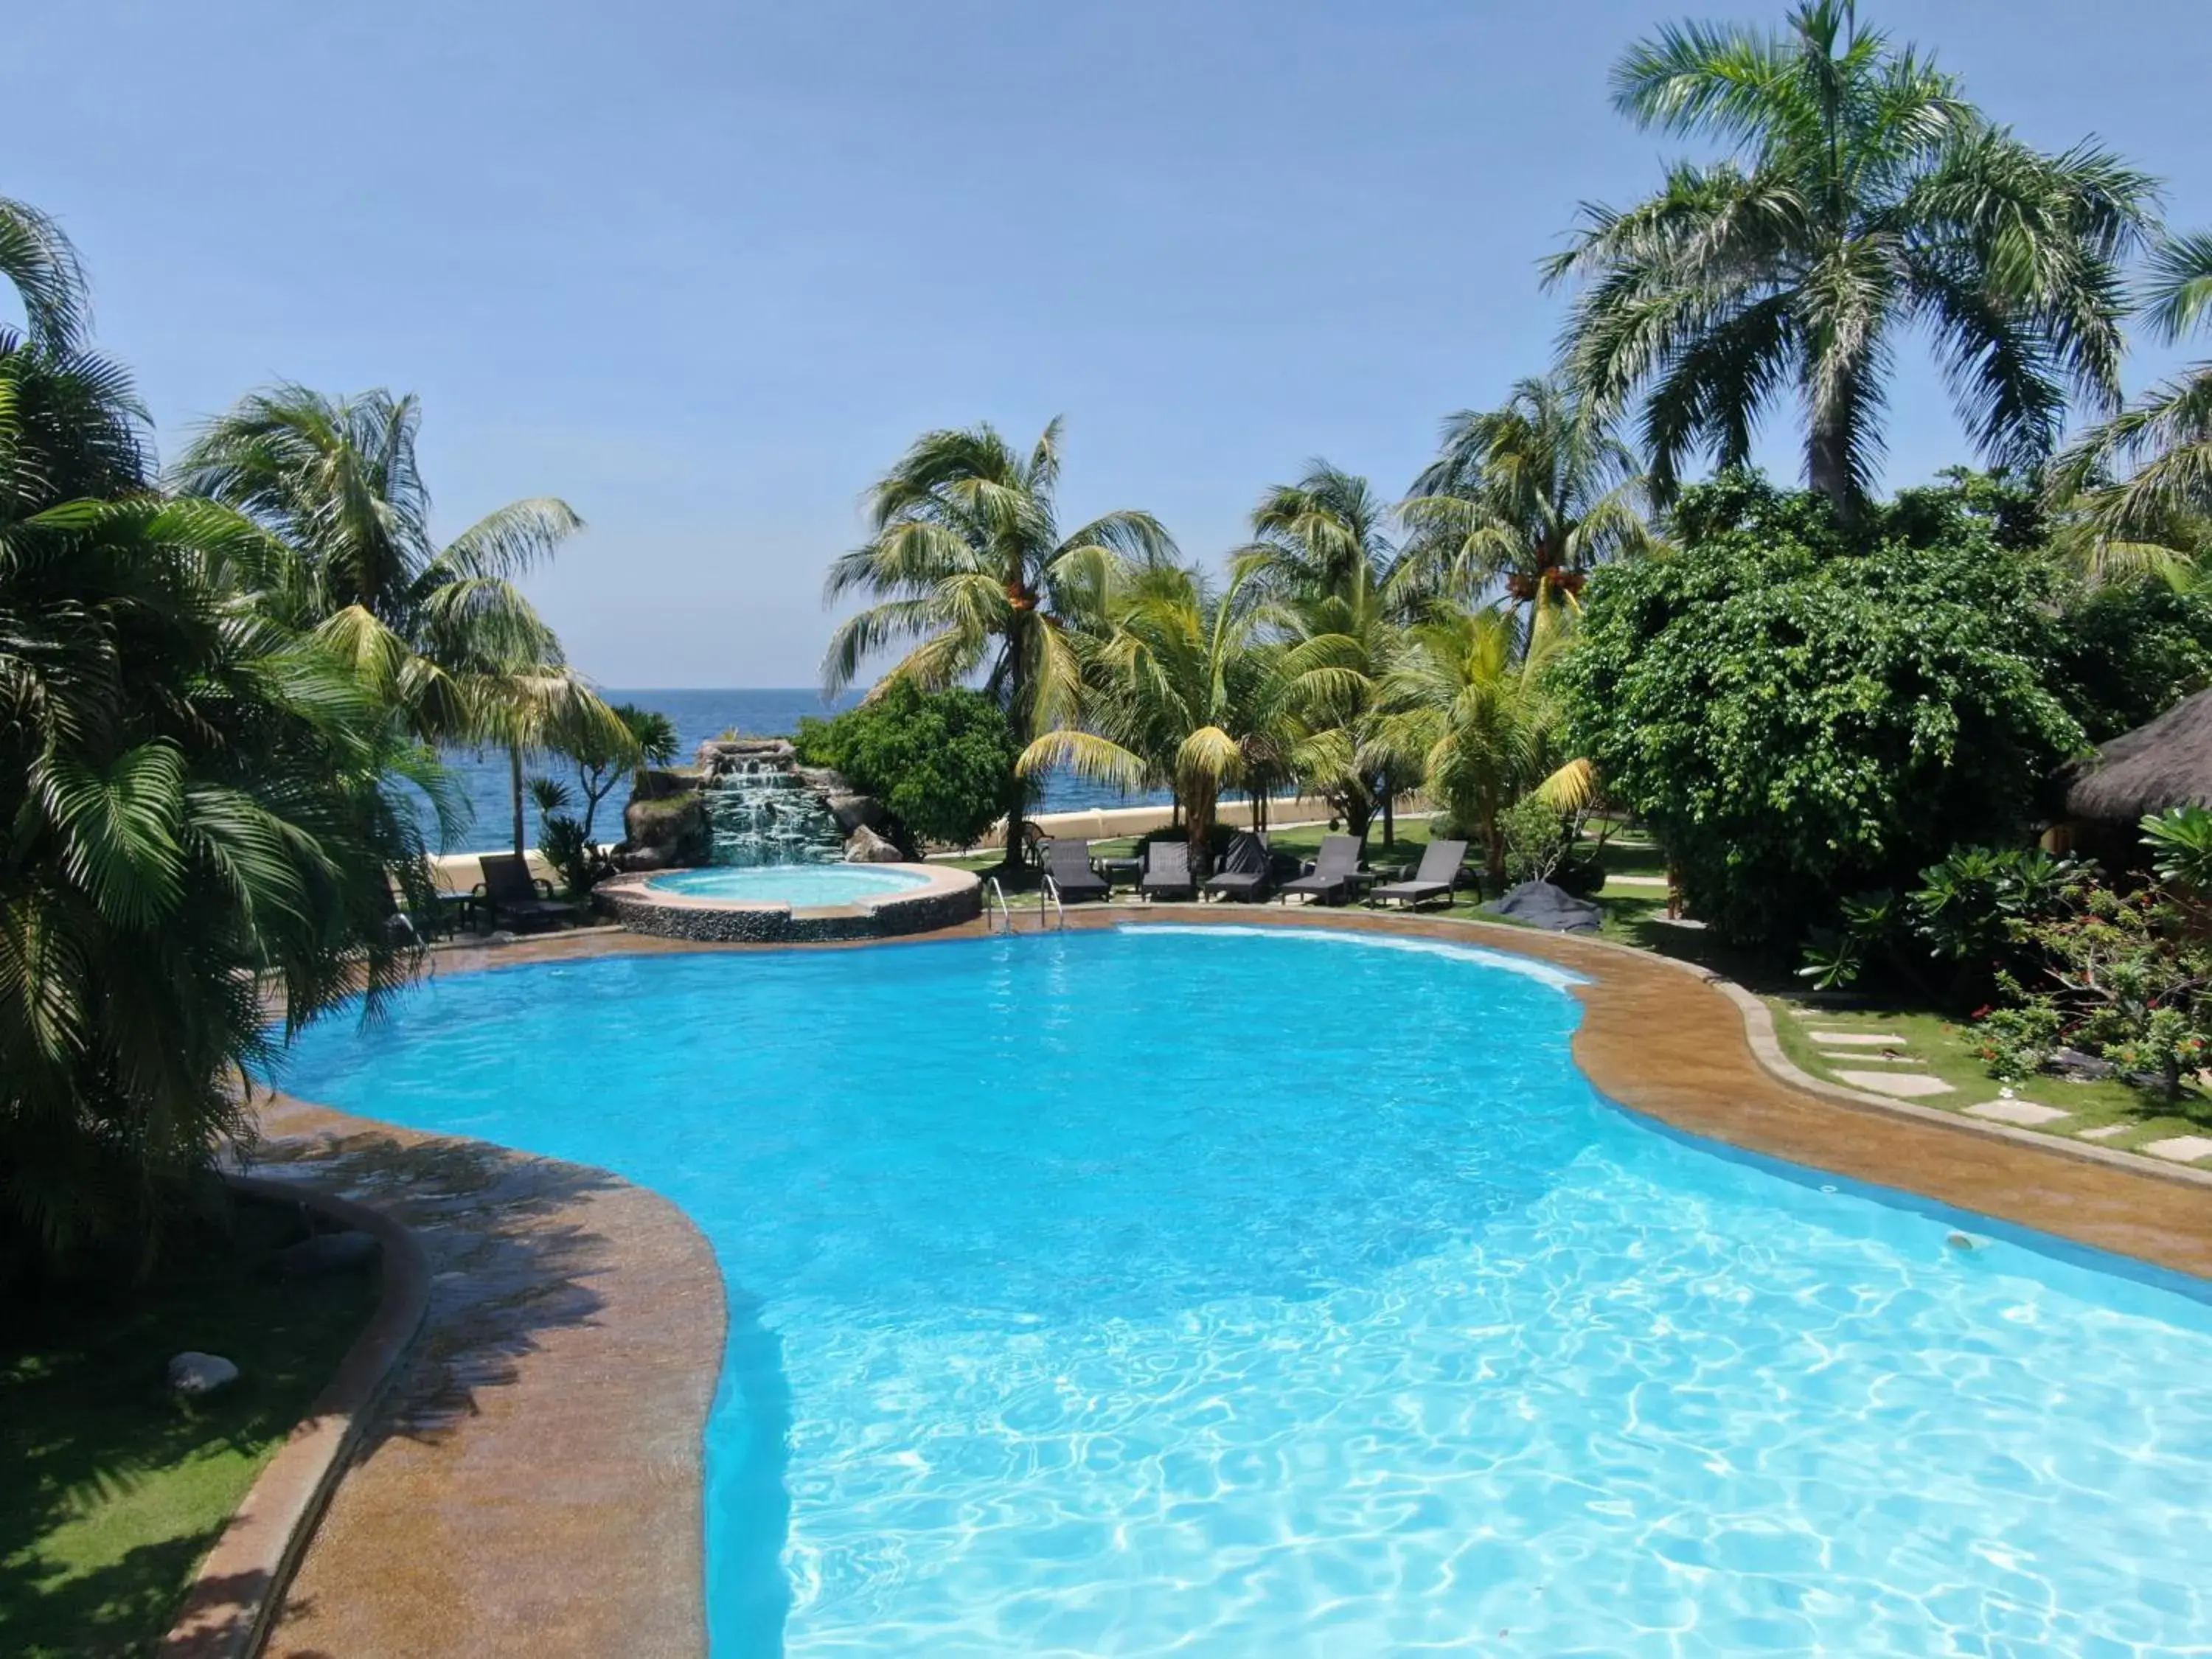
x=1281 y=1294
x=792 y=883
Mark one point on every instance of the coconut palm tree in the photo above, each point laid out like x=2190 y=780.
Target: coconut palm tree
x=1330 y=579
x=1467 y=701
x=1325 y=535
x=1184 y=689
x=2143 y=481
x=967 y=564
x=1532 y=497
x=445 y=630
x=1863 y=196
x=193 y=813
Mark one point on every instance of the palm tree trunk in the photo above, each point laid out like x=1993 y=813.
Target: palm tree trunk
x=515 y=781
x=1389 y=813
x=1018 y=716
x=1827 y=464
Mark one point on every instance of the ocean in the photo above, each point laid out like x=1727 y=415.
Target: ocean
x=756 y=711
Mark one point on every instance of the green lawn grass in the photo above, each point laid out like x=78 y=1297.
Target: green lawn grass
x=111 y=1489
x=1945 y=1048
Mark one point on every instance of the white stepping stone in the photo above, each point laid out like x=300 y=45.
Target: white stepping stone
x=1857 y=1039
x=1903 y=1086
x=2181 y=1148
x=1873 y=1059
x=2026 y=1113
x=2109 y=1132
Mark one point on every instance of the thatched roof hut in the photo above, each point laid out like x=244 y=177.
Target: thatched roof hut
x=2166 y=763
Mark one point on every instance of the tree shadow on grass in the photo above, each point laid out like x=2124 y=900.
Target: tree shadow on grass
x=111 y=1487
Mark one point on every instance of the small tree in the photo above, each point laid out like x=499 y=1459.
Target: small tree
x=1801 y=712
x=936 y=760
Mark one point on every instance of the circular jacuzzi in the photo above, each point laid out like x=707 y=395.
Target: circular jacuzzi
x=792 y=903
x=800 y=885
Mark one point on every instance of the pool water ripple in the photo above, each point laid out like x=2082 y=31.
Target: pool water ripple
x=1148 y=1294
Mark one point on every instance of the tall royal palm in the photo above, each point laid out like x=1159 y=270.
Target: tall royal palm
x=969 y=568
x=445 y=629
x=1863 y=196
x=1530 y=497
x=2144 y=478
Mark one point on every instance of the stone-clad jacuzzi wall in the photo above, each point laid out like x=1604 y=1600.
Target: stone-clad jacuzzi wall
x=952 y=897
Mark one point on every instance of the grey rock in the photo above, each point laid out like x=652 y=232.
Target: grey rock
x=1542 y=905
x=865 y=845
x=659 y=782
x=855 y=811
x=2072 y=1062
x=327 y=1253
x=193 y=1374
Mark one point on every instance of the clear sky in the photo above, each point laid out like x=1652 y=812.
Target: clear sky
x=705 y=268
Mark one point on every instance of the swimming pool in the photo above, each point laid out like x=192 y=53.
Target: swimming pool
x=1283 y=1292
x=791 y=884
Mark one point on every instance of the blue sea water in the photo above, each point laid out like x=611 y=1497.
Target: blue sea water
x=1225 y=1294
x=486 y=787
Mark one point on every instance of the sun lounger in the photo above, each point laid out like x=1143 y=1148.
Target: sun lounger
x=1167 y=869
x=509 y=892
x=1330 y=880
x=1068 y=864
x=1244 y=871
x=1440 y=869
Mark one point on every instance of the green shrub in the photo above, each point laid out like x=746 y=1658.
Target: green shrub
x=1799 y=713
x=1537 y=840
x=938 y=761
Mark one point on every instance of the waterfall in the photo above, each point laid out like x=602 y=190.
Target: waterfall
x=760 y=813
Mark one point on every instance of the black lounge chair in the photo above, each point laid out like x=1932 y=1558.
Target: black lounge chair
x=1167 y=869
x=509 y=890
x=1329 y=881
x=1439 y=873
x=1068 y=863
x=1244 y=871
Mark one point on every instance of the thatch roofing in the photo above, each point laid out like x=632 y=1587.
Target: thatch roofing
x=2166 y=763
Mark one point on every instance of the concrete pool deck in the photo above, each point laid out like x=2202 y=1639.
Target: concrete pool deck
x=531 y=1484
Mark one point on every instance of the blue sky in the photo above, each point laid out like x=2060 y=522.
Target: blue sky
x=705 y=268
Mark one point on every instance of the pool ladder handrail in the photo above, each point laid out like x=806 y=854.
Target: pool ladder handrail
x=995 y=895
x=1050 y=890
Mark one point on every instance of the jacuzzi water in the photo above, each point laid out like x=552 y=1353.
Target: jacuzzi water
x=1210 y=1293
x=795 y=884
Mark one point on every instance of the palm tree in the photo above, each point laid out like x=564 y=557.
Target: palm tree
x=1323 y=535
x=2143 y=481
x=1533 y=496
x=1468 y=703
x=966 y=561
x=1183 y=689
x=193 y=815
x=1865 y=196
x=38 y=261
x=445 y=629
x=1332 y=580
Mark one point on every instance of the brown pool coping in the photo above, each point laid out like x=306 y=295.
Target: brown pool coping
x=531 y=1484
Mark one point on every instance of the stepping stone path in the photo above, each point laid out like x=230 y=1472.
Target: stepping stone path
x=1871 y=1059
x=2181 y=1148
x=2107 y=1133
x=1857 y=1039
x=1903 y=1086
x=2026 y=1113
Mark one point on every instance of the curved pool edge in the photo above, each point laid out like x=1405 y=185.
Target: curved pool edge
x=942 y=897
x=531 y=1479
x=1662 y=1038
